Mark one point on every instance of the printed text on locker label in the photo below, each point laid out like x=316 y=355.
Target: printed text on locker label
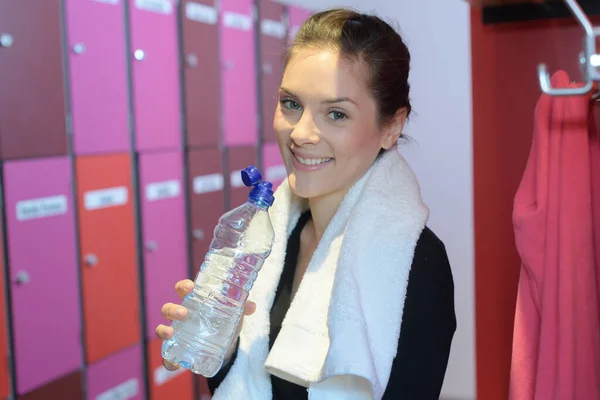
x=42 y=207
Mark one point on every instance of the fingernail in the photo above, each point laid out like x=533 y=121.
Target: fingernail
x=189 y=286
x=180 y=312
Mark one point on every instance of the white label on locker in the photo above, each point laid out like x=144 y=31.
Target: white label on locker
x=162 y=190
x=236 y=179
x=108 y=1
x=41 y=207
x=276 y=173
x=237 y=21
x=208 y=183
x=201 y=13
x=273 y=28
x=159 y=6
x=124 y=391
x=110 y=197
x=161 y=375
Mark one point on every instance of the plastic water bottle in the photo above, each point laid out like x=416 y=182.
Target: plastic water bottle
x=242 y=241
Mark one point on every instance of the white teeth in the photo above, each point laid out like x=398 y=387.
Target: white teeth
x=312 y=161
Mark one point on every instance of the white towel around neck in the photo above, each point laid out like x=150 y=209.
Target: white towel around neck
x=340 y=334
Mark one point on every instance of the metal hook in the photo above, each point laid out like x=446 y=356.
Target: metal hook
x=589 y=49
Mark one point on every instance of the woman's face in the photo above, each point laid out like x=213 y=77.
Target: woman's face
x=326 y=123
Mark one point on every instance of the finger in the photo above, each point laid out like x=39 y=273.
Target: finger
x=173 y=312
x=164 y=332
x=184 y=287
x=169 y=365
x=249 y=308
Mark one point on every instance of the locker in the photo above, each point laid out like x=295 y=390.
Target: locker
x=167 y=385
x=155 y=70
x=68 y=388
x=119 y=376
x=32 y=99
x=272 y=47
x=239 y=158
x=240 y=113
x=98 y=72
x=296 y=17
x=108 y=254
x=273 y=167
x=207 y=200
x=203 y=388
x=163 y=232
x=202 y=75
x=43 y=270
x=4 y=353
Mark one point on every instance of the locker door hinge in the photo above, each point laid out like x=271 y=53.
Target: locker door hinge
x=69 y=124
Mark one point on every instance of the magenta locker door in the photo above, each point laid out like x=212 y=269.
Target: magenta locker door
x=240 y=112
x=272 y=46
x=43 y=270
x=99 y=102
x=273 y=167
x=200 y=37
x=32 y=94
x=163 y=232
x=155 y=68
x=296 y=17
x=118 y=376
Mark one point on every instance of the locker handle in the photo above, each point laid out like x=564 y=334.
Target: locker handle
x=228 y=65
x=191 y=60
x=79 y=48
x=151 y=246
x=22 y=278
x=198 y=234
x=6 y=40
x=91 y=260
x=139 y=54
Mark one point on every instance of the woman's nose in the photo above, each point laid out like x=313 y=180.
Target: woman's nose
x=305 y=131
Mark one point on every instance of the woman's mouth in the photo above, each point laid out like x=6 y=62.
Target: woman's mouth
x=307 y=163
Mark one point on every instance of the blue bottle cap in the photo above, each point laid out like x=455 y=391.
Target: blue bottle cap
x=262 y=192
x=251 y=176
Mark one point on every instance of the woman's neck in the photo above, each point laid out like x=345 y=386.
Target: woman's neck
x=322 y=209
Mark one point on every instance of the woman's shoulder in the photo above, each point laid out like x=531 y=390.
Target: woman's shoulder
x=430 y=265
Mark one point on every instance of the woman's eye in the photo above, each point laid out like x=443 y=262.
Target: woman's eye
x=290 y=104
x=337 y=115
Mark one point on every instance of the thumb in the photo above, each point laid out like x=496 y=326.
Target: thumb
x=249 y=308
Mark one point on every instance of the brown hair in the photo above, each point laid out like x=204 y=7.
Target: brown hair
x=366 y=38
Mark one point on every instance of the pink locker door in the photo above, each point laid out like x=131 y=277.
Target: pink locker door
x=118 y=376
x=98 y=70
x=240 y=112
x=273 y=167
x=163 y=232
x=43 y=270
x=155 y=69
x=296 y=17
x=239 y=158
x=272 y=47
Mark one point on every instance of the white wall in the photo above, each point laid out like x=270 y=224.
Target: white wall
x=438 y=36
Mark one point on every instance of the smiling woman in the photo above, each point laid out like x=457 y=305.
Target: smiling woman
x=356 y=300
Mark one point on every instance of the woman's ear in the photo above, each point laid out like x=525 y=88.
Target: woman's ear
x=394 y=130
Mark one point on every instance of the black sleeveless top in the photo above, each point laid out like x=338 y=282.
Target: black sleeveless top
x=428 y=323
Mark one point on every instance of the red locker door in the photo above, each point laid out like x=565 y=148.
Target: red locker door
x=207 y=200
x=167 y=385
x=32 y=97
x=108 y=264
x=201 y=72
x=272 y=47
x=4 y=360
x=239 y=158
x=67 y=388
